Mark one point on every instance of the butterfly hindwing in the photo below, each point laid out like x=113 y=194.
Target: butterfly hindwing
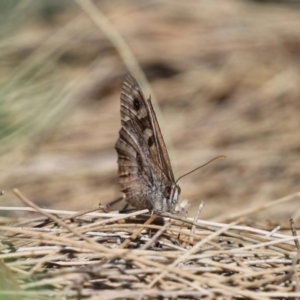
x=144 y=164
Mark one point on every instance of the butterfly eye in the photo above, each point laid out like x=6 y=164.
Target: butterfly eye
x=178 y=189
x=136 y=104
x=167 y=192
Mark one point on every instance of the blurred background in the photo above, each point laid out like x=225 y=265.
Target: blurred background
x=225 y=75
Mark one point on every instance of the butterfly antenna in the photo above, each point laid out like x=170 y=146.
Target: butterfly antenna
x=216 y=158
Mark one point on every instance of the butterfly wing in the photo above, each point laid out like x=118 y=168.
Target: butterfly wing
x=144 y=164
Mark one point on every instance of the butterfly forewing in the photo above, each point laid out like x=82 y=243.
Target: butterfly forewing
x=145 y=172
x=132 y=101
x=160 y=147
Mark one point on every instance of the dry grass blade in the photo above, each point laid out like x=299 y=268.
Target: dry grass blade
x=137 y=233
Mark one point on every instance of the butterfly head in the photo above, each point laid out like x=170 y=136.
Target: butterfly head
x=170 y=195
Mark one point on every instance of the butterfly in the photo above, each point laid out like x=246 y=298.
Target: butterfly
x=145 y=172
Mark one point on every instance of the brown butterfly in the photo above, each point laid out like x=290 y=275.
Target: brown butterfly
x=145 y=171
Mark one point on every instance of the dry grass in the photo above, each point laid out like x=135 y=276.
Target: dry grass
x=96 y=254
x=226 y=76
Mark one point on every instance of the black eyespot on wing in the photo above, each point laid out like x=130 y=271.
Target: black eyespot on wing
x=150 y=141
x=167 y=191
x=136 y=104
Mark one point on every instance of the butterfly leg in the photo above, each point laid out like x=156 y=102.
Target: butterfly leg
x=121 y=211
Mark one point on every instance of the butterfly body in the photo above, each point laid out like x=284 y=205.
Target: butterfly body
x=145 y=172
